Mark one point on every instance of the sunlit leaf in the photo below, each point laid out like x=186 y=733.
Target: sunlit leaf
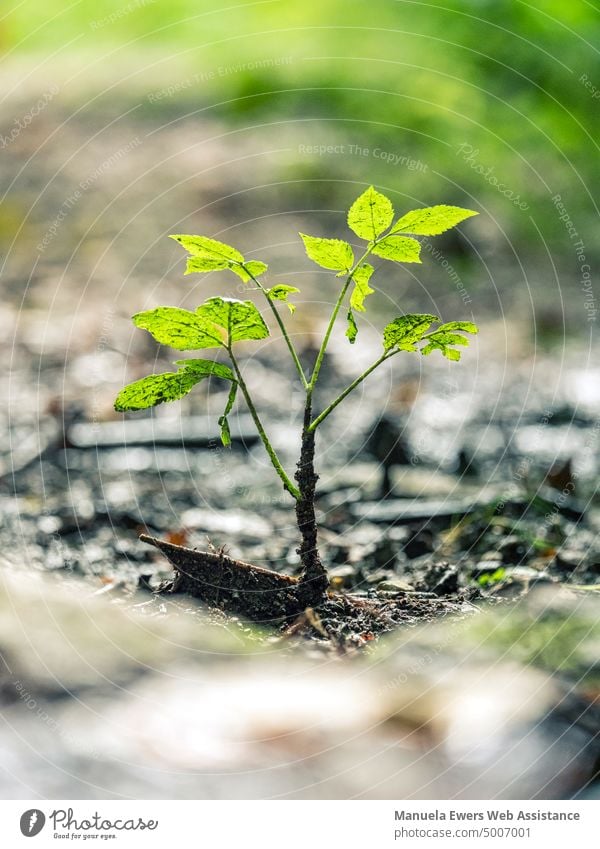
x=178 y=328
x=463 y=326
x=202 y=246
x=223 y=422
x=352 y=330
x=370 y=214
x=398 y=249
x=405 y=331
x=171 y=386
x=432 y=220
x=204 y=264
x=329 y=253
x=281 y=292
x=249 y=270
x=449 y=353
x=447 y=335
x=206 y=368
x=239 y=319
x=210 y=255
x=361 y=290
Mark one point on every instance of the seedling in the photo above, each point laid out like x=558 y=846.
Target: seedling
x=220 y=323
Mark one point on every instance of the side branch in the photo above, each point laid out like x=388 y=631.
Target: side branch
x=284 y=332
x=316 y=422
x=333 y=317
x=287 y=483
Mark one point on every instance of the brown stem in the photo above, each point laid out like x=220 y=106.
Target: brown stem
x=313 y=580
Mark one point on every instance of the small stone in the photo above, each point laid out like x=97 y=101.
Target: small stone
x=527 y=574
x=394 y=586
x=342 y=577
x=49 y=524
x=492 y=556
x=377 y=577
x=568 y=561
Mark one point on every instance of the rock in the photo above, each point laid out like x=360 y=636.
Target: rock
x=527 y=574
x=342 y=577
x=394 y=586
x=155 y=430
x=567 y=562
x=441 y=579
x=227 y=523
x=491 y=556
x=404 y=510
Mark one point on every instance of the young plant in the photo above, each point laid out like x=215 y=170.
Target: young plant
x=220 y=323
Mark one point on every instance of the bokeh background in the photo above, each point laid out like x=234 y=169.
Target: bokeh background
x=122 y=122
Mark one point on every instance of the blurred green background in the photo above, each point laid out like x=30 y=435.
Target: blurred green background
x=492 y=104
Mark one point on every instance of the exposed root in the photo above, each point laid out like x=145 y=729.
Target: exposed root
x=268 y=597
x=221 y=581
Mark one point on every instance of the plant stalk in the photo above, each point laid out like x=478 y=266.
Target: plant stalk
x=316 y=422
x=287 y=483
x=313 y=580
x=333 y=317
x=284 y=332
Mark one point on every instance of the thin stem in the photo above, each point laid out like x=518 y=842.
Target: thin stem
x=287 y=483
x=316 y=422
x=283 y=329
x=333 y=317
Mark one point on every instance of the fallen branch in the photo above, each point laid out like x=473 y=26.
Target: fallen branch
x=221 y=581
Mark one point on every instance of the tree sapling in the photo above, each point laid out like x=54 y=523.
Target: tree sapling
x=221 y=323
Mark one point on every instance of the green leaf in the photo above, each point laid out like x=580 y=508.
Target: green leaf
x=361 y=289
x=405 y=331
x=445 y=338
x=202 y=246
x=223 y=423
x=178 y=328
x=490 y=578
x=158 y=388
x=153 y=390
x=329 y=253
x=210 y=255
x=248 y=270
x=361 y=278
x=352 y=331
x=204 y=264
x=239 y=319
x=446 y=335
x=207 y=368
x=225 y=431
x=281 y=293
x=432 y=220
x=370 y=214
x=449 y=353
x=398 y=249
x=463 y=326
